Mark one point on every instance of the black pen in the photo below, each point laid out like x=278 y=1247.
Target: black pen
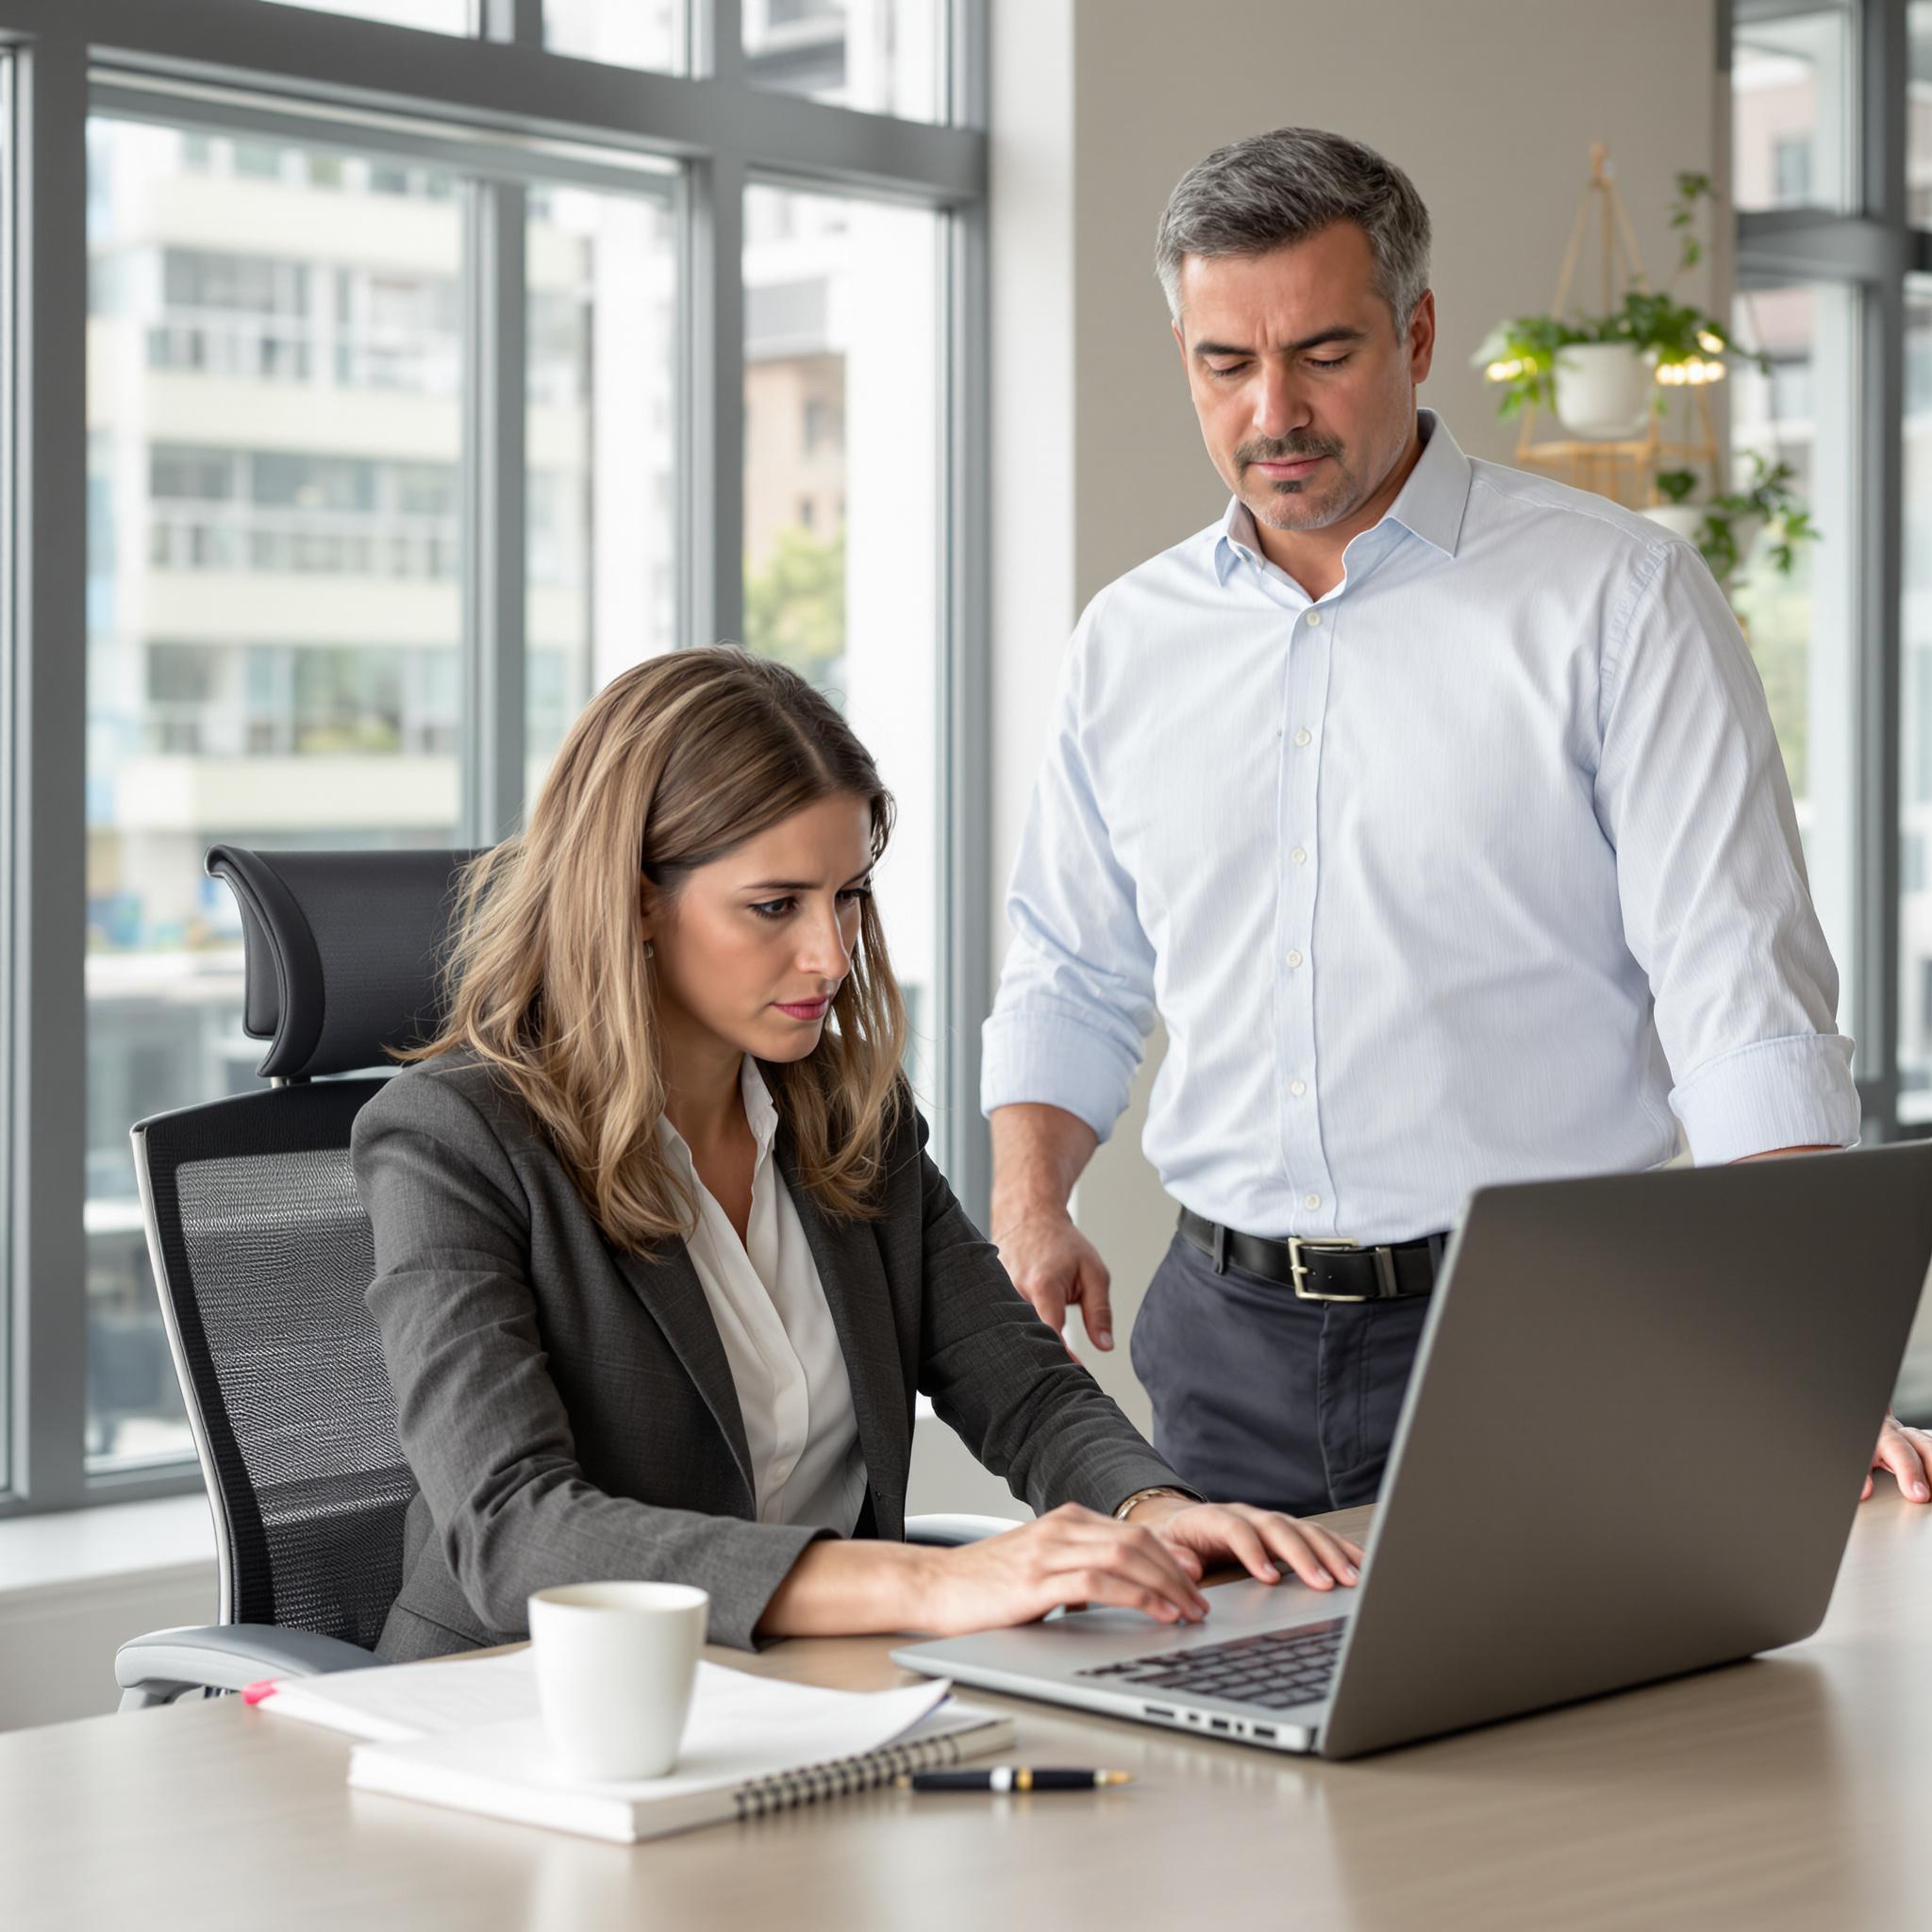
x=1012 y=1777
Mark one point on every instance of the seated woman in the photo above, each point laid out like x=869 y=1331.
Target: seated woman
x=661 y=1260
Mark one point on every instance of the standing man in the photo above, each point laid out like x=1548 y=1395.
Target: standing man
x=1434 y=809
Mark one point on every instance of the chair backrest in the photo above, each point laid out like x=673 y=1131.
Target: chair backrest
x=262 y=1250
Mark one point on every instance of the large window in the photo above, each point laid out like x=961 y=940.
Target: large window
x=9 y=814
x=387 y=402
x=1832 y=178
x=1802 y=623
x=274 y=614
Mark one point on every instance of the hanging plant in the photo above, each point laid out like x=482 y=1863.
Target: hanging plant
x=1520 y=356
x=1682 y=343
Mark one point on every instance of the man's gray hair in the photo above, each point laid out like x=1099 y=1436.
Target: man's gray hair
x=1274 y=189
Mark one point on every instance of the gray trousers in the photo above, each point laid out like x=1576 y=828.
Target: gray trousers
x=1261 y=1398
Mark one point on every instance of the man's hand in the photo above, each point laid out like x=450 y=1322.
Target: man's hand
x=1038 y=1152
x=1055 y=1266
x=1907 y=1453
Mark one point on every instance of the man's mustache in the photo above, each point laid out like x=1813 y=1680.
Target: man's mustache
x=1283 y=452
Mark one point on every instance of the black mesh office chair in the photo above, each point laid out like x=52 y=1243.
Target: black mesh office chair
x=262 y=1253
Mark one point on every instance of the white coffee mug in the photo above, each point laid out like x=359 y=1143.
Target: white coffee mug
x=615 y=1666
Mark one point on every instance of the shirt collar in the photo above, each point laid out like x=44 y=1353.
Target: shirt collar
x=1432 y=501
x=758 y=1107
x=759 y=1112
x=1430 y=504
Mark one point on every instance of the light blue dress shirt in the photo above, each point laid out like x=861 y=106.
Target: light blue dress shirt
x=1480 y=868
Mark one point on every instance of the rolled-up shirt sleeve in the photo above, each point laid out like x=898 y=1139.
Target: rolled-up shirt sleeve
x=1075 y=1000
x=1690 y=790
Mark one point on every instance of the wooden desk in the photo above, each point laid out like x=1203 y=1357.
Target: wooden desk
x=1782 y=1792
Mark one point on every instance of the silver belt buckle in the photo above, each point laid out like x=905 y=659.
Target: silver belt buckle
x=1385 y=1269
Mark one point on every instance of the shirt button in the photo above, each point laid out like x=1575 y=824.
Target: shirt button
x=1314 y=620
x=1311 y=1202
x=1297 y=1087
x=1294 y=959
x=1303 y=735
x=1299 y=856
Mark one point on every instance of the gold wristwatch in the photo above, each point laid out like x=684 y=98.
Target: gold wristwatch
x=1120 y=1515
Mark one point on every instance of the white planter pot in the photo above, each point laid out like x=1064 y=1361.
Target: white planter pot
x=1682 y=519
x=1602 y=389
x=1687 y=521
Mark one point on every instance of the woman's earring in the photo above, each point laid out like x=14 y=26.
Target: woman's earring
x=647 y=949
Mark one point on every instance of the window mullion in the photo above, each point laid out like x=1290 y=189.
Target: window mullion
x=47 y=805
x=517 y=22
x=968 y=61
x=717 y=48
x=1878 y=755
x=713 y=358
x=965 y=709
x=1883 y=65
x=965 y=937
x=493 y=523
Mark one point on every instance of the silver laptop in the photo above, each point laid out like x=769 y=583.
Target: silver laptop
x=1641 y=1412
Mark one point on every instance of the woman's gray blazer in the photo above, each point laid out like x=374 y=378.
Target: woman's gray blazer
x=568 y=1410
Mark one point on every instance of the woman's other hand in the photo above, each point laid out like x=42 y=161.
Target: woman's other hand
x=1257 y=1540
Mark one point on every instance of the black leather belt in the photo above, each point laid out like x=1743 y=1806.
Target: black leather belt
x=1322 y=1270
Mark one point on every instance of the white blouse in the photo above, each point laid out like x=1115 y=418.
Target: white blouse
x=771 y=1310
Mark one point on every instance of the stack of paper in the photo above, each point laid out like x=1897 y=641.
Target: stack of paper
x=467 y=1733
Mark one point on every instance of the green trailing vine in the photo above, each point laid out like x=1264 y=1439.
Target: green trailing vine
x=1767 y=499
x=1692 y=188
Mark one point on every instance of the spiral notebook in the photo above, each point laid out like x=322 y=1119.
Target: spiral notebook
x=753 y=1745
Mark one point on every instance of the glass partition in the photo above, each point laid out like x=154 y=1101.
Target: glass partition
x=841 y=512
x=600 y=451
x=623 y=33
x=885 y=57
x=1793 y=106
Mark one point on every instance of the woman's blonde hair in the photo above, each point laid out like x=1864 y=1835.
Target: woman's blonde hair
x=669 y=767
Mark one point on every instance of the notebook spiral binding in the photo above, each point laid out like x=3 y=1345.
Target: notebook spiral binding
x=842 y=1776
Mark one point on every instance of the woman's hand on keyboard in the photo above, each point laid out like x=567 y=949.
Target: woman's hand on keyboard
x=1070 y=1557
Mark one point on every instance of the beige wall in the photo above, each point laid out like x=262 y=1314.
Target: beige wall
x=1098 y=106
x=1490 y=106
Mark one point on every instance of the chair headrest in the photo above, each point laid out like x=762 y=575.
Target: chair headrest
x=340 y=952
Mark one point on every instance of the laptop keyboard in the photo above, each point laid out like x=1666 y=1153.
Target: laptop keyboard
x=1277 y=1671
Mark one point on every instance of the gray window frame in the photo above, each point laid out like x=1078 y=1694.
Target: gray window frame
x=313 y=75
